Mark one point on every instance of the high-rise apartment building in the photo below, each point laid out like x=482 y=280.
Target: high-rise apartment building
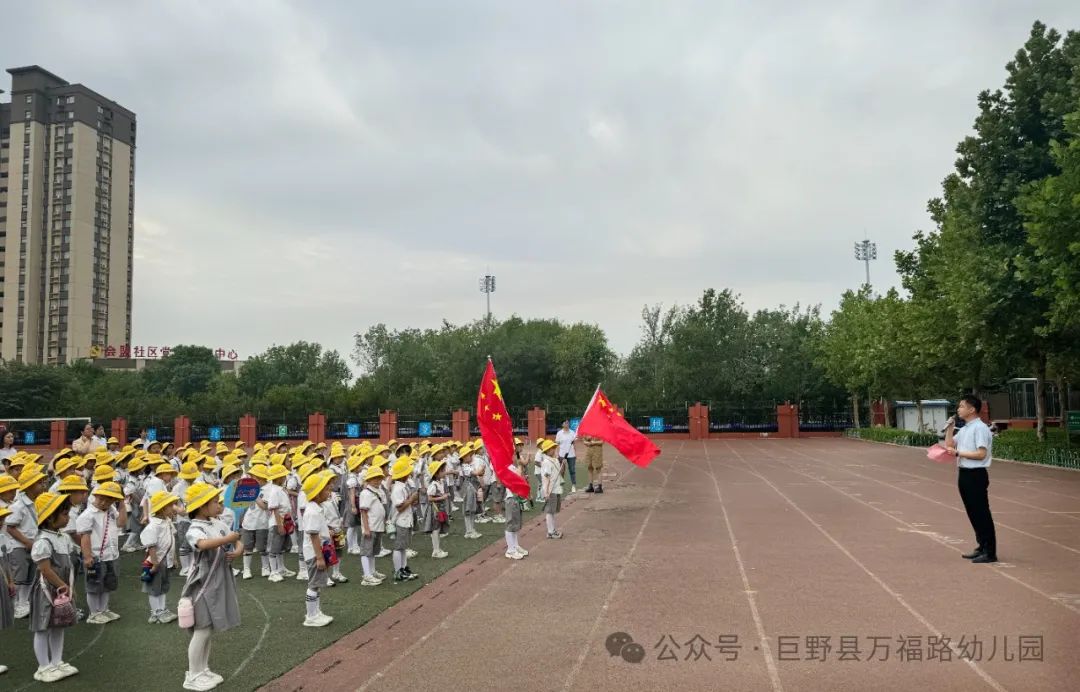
x=67 y=175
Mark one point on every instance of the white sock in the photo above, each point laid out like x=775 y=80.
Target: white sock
x=311 y=601
x=56 y=645
x=157 y=603
x=301 y=565
x=367 y=563
x=350 y=539
x=399 y=559
x=337 y=571
x=511 y=541
x=199 y=651
x=550 y=519
x=247 y=562
x=435 y=540
x=104 y=600
x=22 y=595
x=469 y=523
x=96 y=602
x=41 y=648
x=264 y=561
x=185 y=561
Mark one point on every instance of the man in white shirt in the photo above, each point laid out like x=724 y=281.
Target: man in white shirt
x=973 y=445
x=565 y=438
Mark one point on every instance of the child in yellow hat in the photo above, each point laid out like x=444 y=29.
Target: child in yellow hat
x=7 y=585
x=470 y=491
x=22 y=528
x=134 y=491
x=315 y=533
x=436 y=517
x=189 y=474
x=551 y=472
x=402 y=499
x=280 y=525
x=371 y=510
x=51 y=553
x=98 y=528
x=513 y=508
x=210 y=587
x=158 y=539
x=255 y=525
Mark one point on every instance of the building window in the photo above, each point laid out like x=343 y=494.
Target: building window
x=29 y=98
x=71 y=116
x=28 y=114
x=71 y=99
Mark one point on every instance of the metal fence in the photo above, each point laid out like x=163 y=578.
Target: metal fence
x=424 y=425
x=365 y=429
x=733 y=417
x=277 y=429
x=824 y=420
x=659 y=421
x=156 y=429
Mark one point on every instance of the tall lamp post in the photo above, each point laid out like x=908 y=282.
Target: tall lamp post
x=487 y=287
x=864 y=252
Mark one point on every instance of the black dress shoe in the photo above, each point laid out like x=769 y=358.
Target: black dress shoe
x=974 y=554
x=599 y=488
x=983 y=559
x=589 y=489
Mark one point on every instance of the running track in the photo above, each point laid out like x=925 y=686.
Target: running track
x=768 y=541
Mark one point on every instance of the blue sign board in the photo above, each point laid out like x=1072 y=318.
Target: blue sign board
x=656 y=424
x=423 y=428
x=214 y=433
x=352 y=430
x=28 y=437
x=151 y=435
x=574 y=422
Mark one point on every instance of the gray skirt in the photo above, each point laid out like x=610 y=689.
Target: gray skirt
x=219 y=606
x=23 y=570
x=41 y=598
x=401 y=537
x=134 y=522
x=553 y=503
x=427 y=517
x=317 y=578
x=471 y=504
x=106 y=579
x=7 y=608
x=512 y=512
x=159 y=583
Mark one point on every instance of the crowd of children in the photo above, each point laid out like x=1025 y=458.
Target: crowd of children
x=62 y=522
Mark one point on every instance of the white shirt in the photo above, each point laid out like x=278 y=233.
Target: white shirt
x=158 y=534
x=435 y=488
x=152 y=485
x=483 y=464
x=205 y=528
x=550 y=468
x=8 y=453
x=23 y=517
x=565 y=440
x=314 y=522
x=48 y=543
x=372 y=501
x=255 y=517
x=537 y=460
x=227 y=517
x=969 y=438
x=514 y=468
x=278 y=501
x=398 y=494
x=103 y=531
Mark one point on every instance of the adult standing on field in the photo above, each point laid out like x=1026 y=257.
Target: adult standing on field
x=594 y=459
x=86 y=443
x=973 y=444
x=565 y=438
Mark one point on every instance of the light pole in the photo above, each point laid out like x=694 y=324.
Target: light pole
x=487 y=287
x=864 y=252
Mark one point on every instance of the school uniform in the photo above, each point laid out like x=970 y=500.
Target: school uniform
x=7 y=606
x=373 y=501
x=182 y=522
x=278 y=501
x=314 y=524
x=24 y=518
x=103 y=530
x=158 y=535
x=469 y=486
x=403 y=520
x=134 y=490
x=352 y=487
x=550 y=468
x=54 y=547
x=512 y=506
x=217 y=607
x=431 y=522
x=254 y=527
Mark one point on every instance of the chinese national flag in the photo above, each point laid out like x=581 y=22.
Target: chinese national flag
x=498 y=433
x=603 y=420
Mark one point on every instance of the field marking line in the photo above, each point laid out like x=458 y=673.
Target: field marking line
x=89 y=645
x=262 y=637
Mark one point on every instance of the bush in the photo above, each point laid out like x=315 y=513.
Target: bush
x=893 y=436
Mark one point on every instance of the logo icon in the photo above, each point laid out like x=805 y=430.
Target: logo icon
x=622 y=644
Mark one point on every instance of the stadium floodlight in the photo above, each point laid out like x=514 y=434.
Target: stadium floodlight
x=864 y=252
x=487 y=287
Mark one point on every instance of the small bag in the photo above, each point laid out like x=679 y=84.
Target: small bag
x=441 y=517
x=329 y=553
x=63 y=612
x=289 y=524
x=185 y=607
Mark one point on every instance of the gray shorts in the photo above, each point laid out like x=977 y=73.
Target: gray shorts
x=159 y=583
x=370 y=546
x=279 y=544
x=106 y=579
x=401 y=537
x=512 y=512
x=553 y=503
x=23 y=569
x=317 y=579
x=498 y=491
x=254 y=541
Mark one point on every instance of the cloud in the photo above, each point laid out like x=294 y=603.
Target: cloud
x=305 y=171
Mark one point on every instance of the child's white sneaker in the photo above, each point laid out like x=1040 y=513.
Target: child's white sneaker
x=409 y=552
x=513 y=555
x=379 y=575
x=153 y=619
x=288 y=573
x=213 y=676
x=247 y=574
x=370 y=581
x=22 y=611
x=339 y=578
x=48 y=674
x=382 y=553
x=66 y=670
x=97 y=619
x=266 y=571
x=199 y=682
x=301 y=576
x=166 y=616
x=184 y=572
x=439 y=554
x=111 y=615
x=498 y=520
x=275 y=577
x=236 y=572
x=319 y=620
x=524 y=553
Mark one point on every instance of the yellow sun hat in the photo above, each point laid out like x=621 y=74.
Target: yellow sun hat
x=160 y=500
x=353 y=463
x=221 y=448
x=276 y=471
x=63 y=465
x=227 y=471
x=136 y=465
x=304 y=471
x=433 y=467
x=401 y=468
x=315 y=484
x=518 y=441
x=199 y=494
x=8 y=482
x=112 y=441
x=189 y=471
x=547 y=445
x=46 y=504
x=73 y=484
x=103 y=474
x=164 y=467
x=110 y=489
x=374 y=472
x=378 y=461
x=65 y=452
x=258 y=471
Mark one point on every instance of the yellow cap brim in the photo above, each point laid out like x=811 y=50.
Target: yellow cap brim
x=33 y=479
x=161 y=504
x=204 y=498
x=108 y=493
x=50 y=508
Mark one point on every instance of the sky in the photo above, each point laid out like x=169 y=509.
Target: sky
x=308 y=169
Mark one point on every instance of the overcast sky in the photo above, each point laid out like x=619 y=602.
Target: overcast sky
x=305 y=170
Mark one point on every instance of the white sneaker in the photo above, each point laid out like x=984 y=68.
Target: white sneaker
x=573 y=488
x=166 y=616
x=97 y=619
x=22 y=611
x=301 y=576
x=288 y=573
x=153 y=619
x=199 y=682
x=482 y=519
x=383 y=553
x=328 y=618
x=409 y=552
x=439 y=554
x=524 y=553
x=66 y=670
x=354 y=551
x=275 y=577
x=184 y=572
x=319 y=620
x=247 y=574
x=379 y=575
x=498 y=520
x=39 y=674
x=266 y=571
x=235 y=572
x=370 y=581
x=111 y=615
x=3 y=669
x=213 y=676
x=48 y=674
x=513 y=556
x=339 y=578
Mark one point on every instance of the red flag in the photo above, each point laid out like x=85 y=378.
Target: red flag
x=602 y=419
x=498 y=433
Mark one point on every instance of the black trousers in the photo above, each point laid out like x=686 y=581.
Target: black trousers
x=974 y=486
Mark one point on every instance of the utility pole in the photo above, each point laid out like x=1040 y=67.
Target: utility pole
x=864 y=252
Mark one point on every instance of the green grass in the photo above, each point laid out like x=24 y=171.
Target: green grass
x=130 y=654
x=1016 y=445
x=893 y=435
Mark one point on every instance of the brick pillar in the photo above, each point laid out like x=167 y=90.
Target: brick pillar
x=787 y=420
x=118 y=429
x=248 y=428
x=877 y=413
x=537 y=424
x=316 y=428
x=181 y=431
x=984 y=413
x=459 y=424
x=57 y=435
x=699 y=421
x=387 y=426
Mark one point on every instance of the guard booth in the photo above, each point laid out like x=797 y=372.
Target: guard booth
x=935 y=413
